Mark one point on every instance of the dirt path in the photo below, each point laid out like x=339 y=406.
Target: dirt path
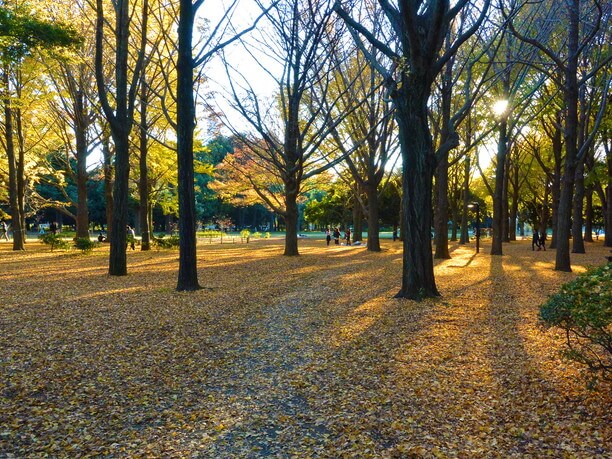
x=289 y=357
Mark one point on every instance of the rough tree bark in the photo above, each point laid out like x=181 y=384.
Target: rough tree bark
x=81 y=119
x=143 y=182
x=188 y=271
x=13 y=169
x=120 y=118
x=109 y=174
x=577 y=208
x=498 y=195
x=421 y=31
x=465 y=238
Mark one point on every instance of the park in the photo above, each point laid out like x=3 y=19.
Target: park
x=305 y=229
x=275 y=356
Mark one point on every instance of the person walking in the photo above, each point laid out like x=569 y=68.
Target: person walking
x=347 y=236
x=535 y=240
x=3 y=230
x=328 y=236
x=542 y=240
x=131 y=237
x=337 y=236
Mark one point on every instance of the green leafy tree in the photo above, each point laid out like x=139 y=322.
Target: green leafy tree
x=20 y=35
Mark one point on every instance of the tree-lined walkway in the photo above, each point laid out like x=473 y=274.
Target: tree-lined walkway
x=289 y=357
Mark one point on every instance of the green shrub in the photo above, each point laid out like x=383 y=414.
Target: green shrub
x=84 y=244
x=583 y=309
x=54 y=240
x=267 y=235
x=166 y=243
x=256 y=235
x=245 y=234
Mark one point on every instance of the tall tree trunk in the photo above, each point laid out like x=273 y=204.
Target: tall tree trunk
x=188 y=271
x=608 y=214
x=118 y=236
x=120 y=124
x=505 y=203
x=402 y=221
x=577 y=207
x=465 y=238
x=455 y=225
x=544 y=213
x=607 y=204
x=21 y=179
x=514 y=207
x=291 y=222
x=80 y=133
x=498 y=195
x=441 y=214
x=417 y=174
x=373 y=219
x=109 y=174
x=357 y=233
x=562 y=259
x=557 y=144
x=18 y=239
x=143 y=182
x=588 y=214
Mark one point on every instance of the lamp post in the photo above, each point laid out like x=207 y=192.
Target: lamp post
x=475 y=205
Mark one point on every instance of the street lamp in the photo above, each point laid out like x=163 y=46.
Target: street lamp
x=475 y=205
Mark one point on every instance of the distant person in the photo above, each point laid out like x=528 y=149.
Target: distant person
x=328 y=235
x=131 y=237
x=542 y=241
x=3 y=231
x=337 y=236
x=53 y=228
x=394 y=234
x=347 y=236
x=535 y=240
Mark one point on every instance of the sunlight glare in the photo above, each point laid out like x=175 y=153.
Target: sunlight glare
x=500 y=107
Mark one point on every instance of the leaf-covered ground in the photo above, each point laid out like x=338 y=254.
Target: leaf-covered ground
x=289 y=357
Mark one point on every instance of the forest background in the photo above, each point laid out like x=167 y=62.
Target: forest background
x=351 y=119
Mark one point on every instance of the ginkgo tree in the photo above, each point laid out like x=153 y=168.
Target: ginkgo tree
x=286 y=132
x=117 y=97
x=416 y=33
x=580 y=23
x=21 y=34
x=188 y=59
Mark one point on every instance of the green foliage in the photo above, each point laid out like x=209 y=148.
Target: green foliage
x=208 y=204
x=54 y=240
x=256 y=235
x=171 y=242
x=21 y=32
x=245 y=234
x=85 y=244
x=267 y=235
x=583 y=309
x=329 y=209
